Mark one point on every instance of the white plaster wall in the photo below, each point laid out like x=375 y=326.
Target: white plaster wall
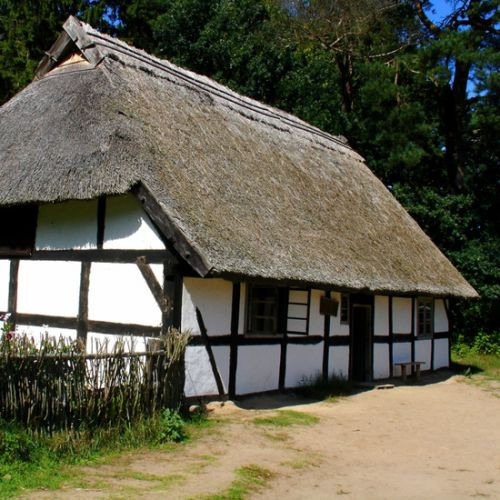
x=423 y=353
x=128 y=227
x=258 y=368
x=337 y=328
x=381 y=361
x=66 y=226
x=4 y=284
x=243 y=308
x=38 y=332
x=303 y=364
x=440 y=318
x=200 y=380
x=316 y=320
x=401 y=352
x=213 y=297
x=48 y=287
x=381 y=324
x=118 y=293
x=338 y=363
x=105 y=342
x=401 y=313
x=441 y=353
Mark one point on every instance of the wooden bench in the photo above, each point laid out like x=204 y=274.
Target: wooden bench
x=410 y=364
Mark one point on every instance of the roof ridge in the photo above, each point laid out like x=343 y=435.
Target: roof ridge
x=210 y=86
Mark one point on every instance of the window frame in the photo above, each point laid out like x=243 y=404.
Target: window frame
x=282 y=302
x=429 y=301
x=347 y=297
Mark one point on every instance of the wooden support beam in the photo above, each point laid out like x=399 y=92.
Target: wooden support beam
x=13 y=285
x=83 y=304
x=326 y=345
x=171 y=232
x=233 y=353
x=211 y=357
x=152 y=282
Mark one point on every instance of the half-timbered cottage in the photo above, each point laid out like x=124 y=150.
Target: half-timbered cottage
x=137 y=195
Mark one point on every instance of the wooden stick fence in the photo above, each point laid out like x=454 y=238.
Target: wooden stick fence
x=55 y=386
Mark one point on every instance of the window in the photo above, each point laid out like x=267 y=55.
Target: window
x=344 y=308
x=263 y=310
x=276 y=310
x=425 y=314
x=17 y=236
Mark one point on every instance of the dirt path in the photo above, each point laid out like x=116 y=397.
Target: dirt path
x=438 y=440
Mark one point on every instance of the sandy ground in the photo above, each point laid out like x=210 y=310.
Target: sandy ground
x=439 y=440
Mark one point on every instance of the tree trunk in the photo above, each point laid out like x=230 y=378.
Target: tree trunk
x=344 y=64
x=454 y=110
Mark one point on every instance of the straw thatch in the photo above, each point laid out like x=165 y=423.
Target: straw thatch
x=256 y=191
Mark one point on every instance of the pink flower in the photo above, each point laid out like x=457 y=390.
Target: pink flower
x=9 y=336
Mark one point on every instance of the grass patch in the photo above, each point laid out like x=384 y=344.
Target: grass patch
x=469 y=362
x=30 y=462
x=250 y=478
x=287 y=418
x=330 y=390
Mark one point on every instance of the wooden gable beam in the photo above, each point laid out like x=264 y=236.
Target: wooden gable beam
x=72 y=38
x=171 y=232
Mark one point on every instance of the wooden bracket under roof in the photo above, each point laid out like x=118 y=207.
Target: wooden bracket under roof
x=72 y=39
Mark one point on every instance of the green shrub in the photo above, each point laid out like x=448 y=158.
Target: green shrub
x=172 y=427
x=15 y=444
x=487 y=343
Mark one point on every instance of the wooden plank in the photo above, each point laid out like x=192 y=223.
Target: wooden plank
x=211 y=357
x=101 y=221
x=233 y=354
x=119 y=256
x=13 y=285
x=60 y=49
x=391 y=338
x=326 y=335
x=152 y=282
x=82 y=40
x=171 y=232
x=83 y=304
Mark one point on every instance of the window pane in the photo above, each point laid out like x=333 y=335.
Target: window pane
x=263 y=309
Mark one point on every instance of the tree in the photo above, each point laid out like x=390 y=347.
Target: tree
x=451 y=53
x=28 y=28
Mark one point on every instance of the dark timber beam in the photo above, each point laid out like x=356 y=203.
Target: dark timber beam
x=83 y=304
x=171 y=232
x=13 y=285
x=326 y=344
x=233 y=353
x=391 y=339
x=211 y=357
x=152 y=282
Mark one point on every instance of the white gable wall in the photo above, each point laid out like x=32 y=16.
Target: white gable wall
x=401 y=312
x=128 y=227
x=67 y=225
x=316 y=320
x=49 y=288
x=381 y=324
x=213 y=297
x=118 y=293
x=338 y=363
x=303 y=364
x=440 y=317
x=258 y=368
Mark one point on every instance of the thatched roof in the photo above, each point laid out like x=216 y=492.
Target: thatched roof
x=255 y=191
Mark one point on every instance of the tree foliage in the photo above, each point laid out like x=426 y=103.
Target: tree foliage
x=418 y=98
